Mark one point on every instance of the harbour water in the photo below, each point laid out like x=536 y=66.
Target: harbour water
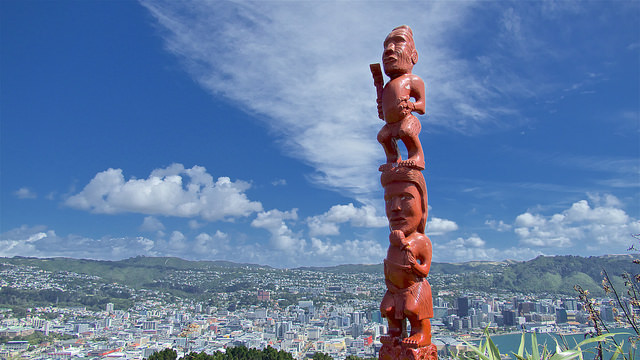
x=509 y=343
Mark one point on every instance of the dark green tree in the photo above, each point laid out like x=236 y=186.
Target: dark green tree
x=204 y=356
x=321 y=356
x=166 y=354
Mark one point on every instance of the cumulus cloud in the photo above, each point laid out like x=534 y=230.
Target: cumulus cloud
x=475 y=248
x=208 y=246
x=38 y=241
x=327 y=223
x=348 y=252
x=151 y=224
x=599 y=225
x=437 y=226
x=177 y=242
x=172 y=191
x=282 y=237
x=25 y=193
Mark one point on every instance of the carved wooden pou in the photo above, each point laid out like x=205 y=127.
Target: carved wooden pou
x=406 y=267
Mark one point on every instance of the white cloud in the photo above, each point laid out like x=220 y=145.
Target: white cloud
x=437 y=226
x=303 y=68
x=177 y=241
x=25 y=193
x=282 y=237
x=172 y=191
x=38 y=241
x=529 y=220
x=473 y=241
x=151 y=224
x=194 y=224
x=147 y=244
x=327 y=223
x=347 y=252
x=475 y=248
x=318 y=227
x=211 y=246
x=604 y=227
x=500 y=226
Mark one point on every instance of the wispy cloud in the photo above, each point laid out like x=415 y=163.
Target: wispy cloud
x=616 y=166
x=303 y=68
x=25 y=193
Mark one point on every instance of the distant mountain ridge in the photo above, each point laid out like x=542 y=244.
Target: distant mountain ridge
x=179 y=263
x=552 y=274
x=224 y=284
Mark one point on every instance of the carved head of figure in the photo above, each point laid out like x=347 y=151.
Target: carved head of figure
x=405 y=195
x=400 y=52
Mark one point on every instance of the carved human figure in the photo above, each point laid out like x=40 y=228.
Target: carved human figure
x=408 y=258
x=394 y=100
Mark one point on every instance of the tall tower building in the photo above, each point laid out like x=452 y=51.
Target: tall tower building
x=463 y=306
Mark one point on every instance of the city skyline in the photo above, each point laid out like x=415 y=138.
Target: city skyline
x=246 y=131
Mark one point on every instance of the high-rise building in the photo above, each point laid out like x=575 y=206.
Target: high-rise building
x=474 y=321
x=561 y=315
x=109 y=307
x=463 y=306
x=346 y=321
x=376 y=316
x=440 y=302
x=509 y=317
x=440 y=312
x=570 y=304
x=606 y=313
x=356 y=316
x=282 y=327
x=526 y=307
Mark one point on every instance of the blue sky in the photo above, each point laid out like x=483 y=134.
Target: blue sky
x=246 y=131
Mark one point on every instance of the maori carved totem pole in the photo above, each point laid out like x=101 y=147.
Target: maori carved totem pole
x=406 y=267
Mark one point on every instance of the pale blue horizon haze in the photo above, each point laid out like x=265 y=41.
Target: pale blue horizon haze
x=246 y=131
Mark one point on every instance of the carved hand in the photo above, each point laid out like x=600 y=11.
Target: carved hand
x=405 y=106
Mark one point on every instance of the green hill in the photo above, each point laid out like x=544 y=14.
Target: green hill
x=544 y=274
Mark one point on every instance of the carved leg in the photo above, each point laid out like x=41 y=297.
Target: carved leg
x=389 y=144
x=410 y=136
x=420 y=333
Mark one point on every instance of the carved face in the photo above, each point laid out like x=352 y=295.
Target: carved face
x=403 y=205
x=398 y=57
